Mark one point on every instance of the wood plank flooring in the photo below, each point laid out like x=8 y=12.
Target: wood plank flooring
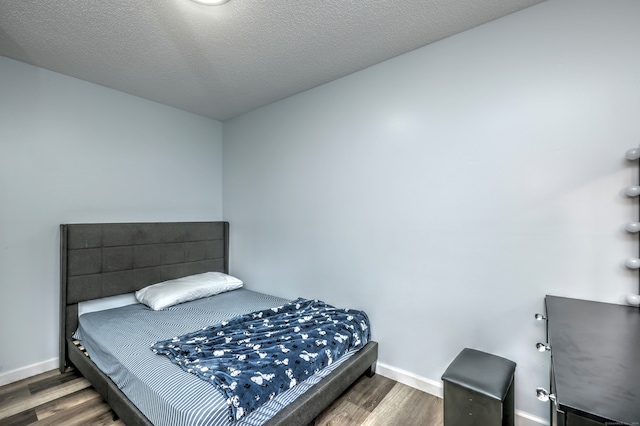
x=381 y=401
x=69 y=399
x=52 y=398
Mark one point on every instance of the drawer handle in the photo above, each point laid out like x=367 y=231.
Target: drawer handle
x=544 y=395
x=540 y=317
x=542 y=347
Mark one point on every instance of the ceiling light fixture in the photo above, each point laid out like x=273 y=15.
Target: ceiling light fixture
x=210 y=2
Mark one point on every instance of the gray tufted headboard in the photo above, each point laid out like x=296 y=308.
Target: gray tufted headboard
x=100 y=260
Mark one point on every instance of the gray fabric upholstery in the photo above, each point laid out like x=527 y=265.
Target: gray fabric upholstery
x=109 y=259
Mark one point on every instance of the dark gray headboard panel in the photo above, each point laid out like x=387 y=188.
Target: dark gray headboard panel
x=100 y=260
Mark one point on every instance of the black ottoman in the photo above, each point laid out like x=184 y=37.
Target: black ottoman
x=478 y=390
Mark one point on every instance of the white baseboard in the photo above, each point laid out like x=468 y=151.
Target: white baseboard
x=28 y=371
x=435 y=388
x=410 y=379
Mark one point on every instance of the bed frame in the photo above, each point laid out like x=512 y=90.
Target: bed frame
x=100 y=260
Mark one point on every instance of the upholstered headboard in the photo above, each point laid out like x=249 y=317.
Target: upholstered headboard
x=100 y=260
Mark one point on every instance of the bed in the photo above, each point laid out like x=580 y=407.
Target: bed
x=102 y=260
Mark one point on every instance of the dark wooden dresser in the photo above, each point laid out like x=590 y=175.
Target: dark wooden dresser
x=595 y=362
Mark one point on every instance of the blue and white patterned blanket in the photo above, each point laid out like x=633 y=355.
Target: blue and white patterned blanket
x=253 y=357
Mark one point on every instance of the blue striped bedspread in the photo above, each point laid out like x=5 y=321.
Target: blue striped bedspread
x=119 y=340
x=254 y=357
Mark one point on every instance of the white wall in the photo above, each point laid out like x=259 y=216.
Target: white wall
x=446 y=191
x=73 y=152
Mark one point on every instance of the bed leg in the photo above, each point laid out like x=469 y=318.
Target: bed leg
x=371 y=371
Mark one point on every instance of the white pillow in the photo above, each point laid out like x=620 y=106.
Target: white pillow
x=169 y=293
x=106 y=303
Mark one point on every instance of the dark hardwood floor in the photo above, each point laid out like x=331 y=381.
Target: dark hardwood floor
x=68 y=399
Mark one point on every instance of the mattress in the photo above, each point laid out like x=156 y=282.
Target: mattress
x=119 y=340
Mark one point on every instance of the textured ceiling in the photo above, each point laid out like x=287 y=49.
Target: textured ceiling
x=222 y=61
